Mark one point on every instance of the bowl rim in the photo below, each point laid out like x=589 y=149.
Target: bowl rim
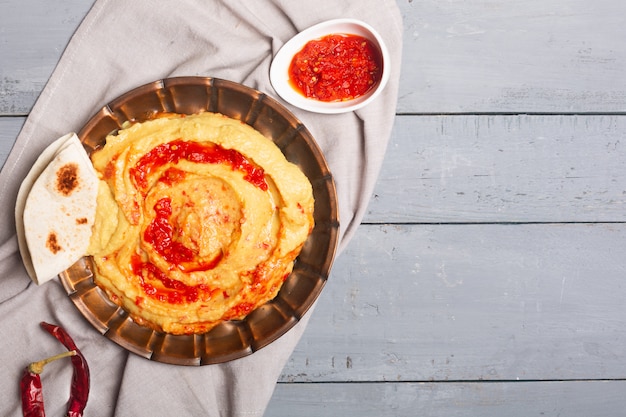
x=279 y=77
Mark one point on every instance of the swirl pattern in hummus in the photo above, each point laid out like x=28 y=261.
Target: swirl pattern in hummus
x=199 y=220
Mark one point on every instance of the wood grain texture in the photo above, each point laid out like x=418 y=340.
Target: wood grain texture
x=491 y=168
x=543 y=399
x=459 y=56
x=9 y=128
x=33 y=36
x=470 y=302
x=487 y=279
x=504 y=56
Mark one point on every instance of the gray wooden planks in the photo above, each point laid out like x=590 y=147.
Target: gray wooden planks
x=545 y=399
x=9 y=128
x=495 y=293
x=459 y=56
x=503 y=56
x=470 y=302
x=512 y=168
x=33 y=36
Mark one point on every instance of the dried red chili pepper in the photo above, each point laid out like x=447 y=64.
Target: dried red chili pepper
x=79 y=391
x=30 y=386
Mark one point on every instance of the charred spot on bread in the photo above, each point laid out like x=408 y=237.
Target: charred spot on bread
x=67 y=179
x=52 y=243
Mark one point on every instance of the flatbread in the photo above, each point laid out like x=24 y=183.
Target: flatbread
x=27 y=184
x=55 y=209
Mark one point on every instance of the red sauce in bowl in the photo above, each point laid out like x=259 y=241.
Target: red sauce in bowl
x=336 y=67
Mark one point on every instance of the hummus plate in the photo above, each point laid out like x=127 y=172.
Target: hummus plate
x=235 y=338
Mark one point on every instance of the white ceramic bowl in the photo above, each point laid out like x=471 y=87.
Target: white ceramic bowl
x=279 y=70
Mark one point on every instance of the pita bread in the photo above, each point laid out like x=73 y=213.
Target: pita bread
x=55 y=209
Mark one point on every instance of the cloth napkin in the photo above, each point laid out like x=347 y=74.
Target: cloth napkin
x=121 y=45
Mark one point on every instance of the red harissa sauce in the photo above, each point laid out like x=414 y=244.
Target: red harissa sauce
x=160 y=232
x=207 y=153
x=336 y=67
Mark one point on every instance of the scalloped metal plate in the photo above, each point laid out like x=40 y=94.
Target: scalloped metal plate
x=233 y=339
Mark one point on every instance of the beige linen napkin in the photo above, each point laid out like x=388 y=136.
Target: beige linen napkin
x=123 y=44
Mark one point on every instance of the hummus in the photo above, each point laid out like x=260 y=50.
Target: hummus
x=199 y=220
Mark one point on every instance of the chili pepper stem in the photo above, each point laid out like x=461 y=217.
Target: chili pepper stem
x=37 y=367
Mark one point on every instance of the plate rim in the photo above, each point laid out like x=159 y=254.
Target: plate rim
x=84 y=292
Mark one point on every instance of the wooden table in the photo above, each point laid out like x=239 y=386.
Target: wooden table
x=487 y=278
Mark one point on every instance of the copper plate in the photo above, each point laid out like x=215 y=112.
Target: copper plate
x=233 y=339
